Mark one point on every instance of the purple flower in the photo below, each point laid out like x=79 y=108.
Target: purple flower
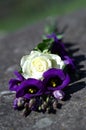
x=30 y=88
x=69 y=62
x=14 y=83
x=57 y=46
x=55 y=79
x=58 y=94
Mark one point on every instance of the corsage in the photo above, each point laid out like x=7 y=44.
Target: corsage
x=43 y=77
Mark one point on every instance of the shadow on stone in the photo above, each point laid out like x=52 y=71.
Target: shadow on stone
x=78 y=74
x=74 y=88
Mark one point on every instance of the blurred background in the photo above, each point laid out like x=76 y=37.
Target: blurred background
x=15 y=14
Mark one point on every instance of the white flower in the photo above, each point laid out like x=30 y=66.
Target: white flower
x=35 y=64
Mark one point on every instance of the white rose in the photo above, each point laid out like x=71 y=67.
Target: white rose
x=35 y=64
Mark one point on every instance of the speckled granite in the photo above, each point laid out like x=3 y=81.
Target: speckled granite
x=72 y=115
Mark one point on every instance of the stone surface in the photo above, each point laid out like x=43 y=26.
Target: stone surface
x=72 y=115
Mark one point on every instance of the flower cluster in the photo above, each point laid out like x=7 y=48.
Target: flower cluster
x=43 y=77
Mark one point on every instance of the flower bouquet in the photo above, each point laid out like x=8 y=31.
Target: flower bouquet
x=44 y=75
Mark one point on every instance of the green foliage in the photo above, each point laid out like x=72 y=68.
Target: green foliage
x=20 y=71
x=18 y=13
x=45 y=45
x=59 y=36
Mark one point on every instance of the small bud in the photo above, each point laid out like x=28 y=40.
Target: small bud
x=26 y=105
x=55 y=104
x=20 y=102
x=47 y=99
x=39 y=108
x=44 y=105
x=48 y=109
x=32 y=102
x=26 y=112
x=58 y=94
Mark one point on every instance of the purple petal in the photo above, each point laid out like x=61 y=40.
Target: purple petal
x=53 y=35
x=65 y=82
x=68 y=61
x=58 y=74
x=13 y=84
x=19 y=76
x=54 y=72
x=57 y=47
x=30 y=83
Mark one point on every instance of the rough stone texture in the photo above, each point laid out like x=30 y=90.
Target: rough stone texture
x=72 y=115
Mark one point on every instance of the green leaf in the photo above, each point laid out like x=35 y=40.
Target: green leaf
x=59 y=36
x=20 y=71
x=45 y=45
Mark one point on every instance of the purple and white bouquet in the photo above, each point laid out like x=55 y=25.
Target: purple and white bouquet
x=43 y=77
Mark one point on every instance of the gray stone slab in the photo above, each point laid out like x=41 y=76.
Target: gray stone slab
x=72 y=115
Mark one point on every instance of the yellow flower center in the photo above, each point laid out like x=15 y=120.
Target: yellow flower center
x=32 y=90
x=53 y=83
x=40 y=64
